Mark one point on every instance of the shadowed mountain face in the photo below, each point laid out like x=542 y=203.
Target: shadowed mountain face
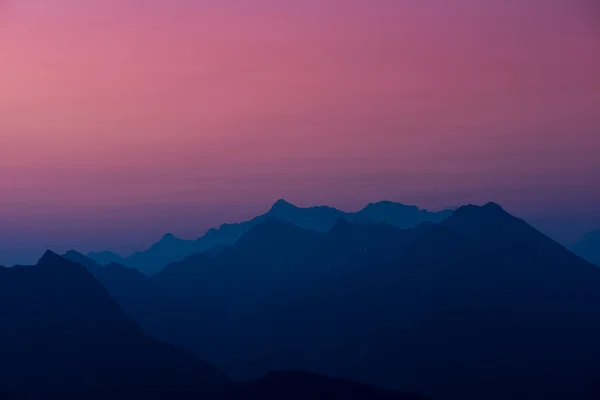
x=397 y=214
x=161 y=314
x=215 y=251
x=80 y=259
x=105 y=257
x=321 y=219
x=166 y=250
x=63 y=336
x=589 y=248
x=477 y=306
x=299 y=385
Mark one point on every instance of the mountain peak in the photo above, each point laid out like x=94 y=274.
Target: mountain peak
x=491 y=206
x=490 y=218
x=168 y=236
x=50 y=257
x=58 y=268
x=73 y=253
x=388 y=204
x=282 y=204
x=488 y=210
x=78 y=258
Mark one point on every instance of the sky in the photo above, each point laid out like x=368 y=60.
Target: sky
x=121 y=120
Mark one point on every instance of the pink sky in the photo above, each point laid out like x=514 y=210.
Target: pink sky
x=118 y=123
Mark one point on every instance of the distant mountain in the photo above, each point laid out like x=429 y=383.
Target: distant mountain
x=161 y=253
x=397 y=214
x=253 y=266
x=87 y=262
x=105 y=257
x=140 y=298
x=321 y=219
x=589 y=248
x=265 y=246
x=62 y=335
x=162 y=314
x=273 y=270
x=168 y=317
x=477 y=306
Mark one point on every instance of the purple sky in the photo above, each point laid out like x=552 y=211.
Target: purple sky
x=118 y=124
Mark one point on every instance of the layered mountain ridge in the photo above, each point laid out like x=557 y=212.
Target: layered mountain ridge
x=478 y=305
x=321 y=218
x=64 y=337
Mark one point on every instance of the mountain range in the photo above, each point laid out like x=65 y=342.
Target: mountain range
x=479 y=305
x=171 y=249
x=62 y=336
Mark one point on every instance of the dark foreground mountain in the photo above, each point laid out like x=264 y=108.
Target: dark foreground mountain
x=589 y=248
x=299 y=385
x=172 y=249
x=62 y=336
x=162 y=315
x=479 y=306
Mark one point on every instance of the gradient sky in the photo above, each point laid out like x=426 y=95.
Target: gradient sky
x=119 y=123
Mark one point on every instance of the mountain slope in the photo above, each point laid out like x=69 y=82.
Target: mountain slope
x=171 y=249
x=105 y=257
x=589 y=248
x=79 y=258
x=252 y=264
x=502 y=309
x=62 y=334
x=319 y=219
x=162 y=315
x=168 y=249
x=299 y=385
x=272 y=272
x=397 y=214
x=480 y=305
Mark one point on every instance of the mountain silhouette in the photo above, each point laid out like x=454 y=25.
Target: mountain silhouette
x=397 y=214
x=300 y=385
x=166 y=250
x=273 y=270
x=215 y=251
x=172 y=249
x=252 y=264
x=168 y=318
x=589 y=248
x=141 y=298
x=105 y=257
x=314 y=218
x=87 y=262
x=479 y=304
x=62 y=335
